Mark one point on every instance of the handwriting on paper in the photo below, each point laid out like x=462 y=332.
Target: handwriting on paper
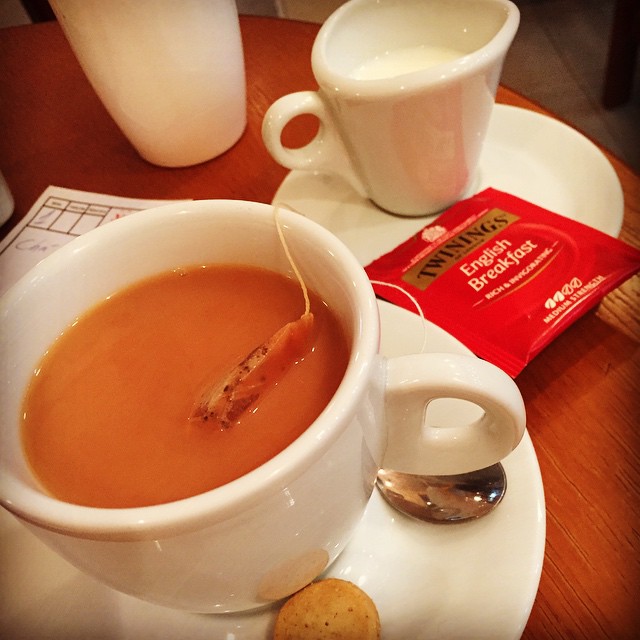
x=38 y=245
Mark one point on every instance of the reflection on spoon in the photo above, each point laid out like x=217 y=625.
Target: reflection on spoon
x=444 y=499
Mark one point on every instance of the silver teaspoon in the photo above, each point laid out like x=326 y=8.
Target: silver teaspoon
x=444 y=499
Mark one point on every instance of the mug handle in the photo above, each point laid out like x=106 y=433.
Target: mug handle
x=415 y=445
x=326 y=153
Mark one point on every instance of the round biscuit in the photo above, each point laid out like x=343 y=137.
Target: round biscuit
x=330 y=609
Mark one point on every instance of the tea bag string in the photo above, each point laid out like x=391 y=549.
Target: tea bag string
x=414 y=302
x=294 y=267
x=376 y=282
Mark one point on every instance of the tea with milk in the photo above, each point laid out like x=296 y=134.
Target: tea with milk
x=106 y=416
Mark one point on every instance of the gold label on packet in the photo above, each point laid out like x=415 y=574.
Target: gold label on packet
x=460 y=245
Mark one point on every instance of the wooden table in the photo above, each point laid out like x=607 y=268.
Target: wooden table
x=582 y=393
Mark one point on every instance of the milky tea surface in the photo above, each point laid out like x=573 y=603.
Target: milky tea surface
x=106 y=418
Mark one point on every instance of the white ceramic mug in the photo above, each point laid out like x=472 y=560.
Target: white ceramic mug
x=406 y=92
x=270 y=532
x=171 y=74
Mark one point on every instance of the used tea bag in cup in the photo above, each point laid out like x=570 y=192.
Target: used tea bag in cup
x=406 y=93
x=171 y=74
x=242 y=387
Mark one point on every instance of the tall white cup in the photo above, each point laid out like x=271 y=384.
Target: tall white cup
x=406 y=92
x=171 y=74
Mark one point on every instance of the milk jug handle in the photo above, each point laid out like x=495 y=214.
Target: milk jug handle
x=326 y=153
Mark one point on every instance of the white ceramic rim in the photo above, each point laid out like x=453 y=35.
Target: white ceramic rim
x=222 y=502
x=414 y=81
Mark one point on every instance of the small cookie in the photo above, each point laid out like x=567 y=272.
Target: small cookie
x=329 y=609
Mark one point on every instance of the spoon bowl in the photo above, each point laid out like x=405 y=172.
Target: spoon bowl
x=444 y=499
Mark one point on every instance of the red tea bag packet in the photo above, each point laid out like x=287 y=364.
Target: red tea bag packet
x=504 y=276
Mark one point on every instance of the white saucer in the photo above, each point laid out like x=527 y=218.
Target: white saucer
x=476 y=579
x=526 y=154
